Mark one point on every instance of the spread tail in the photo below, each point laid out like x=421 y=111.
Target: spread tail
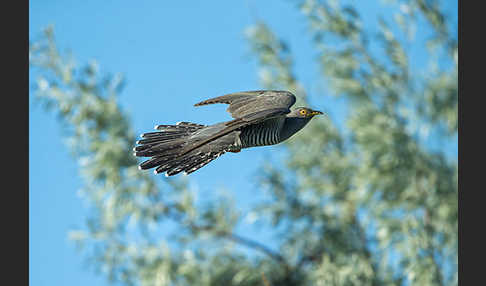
x=164 y=147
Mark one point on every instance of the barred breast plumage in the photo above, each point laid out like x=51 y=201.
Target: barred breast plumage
x=262 y=134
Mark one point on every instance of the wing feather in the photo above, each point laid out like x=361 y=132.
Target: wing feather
x=244 y=103
x=238 y=123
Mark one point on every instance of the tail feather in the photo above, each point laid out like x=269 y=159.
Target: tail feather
x=180 y=125
x=164 y=148
x=177 y=166
x=187 y=163
x=160 y=149
x=168 y=139
x=166 y=133
x=160 y=139
x=156 y=161
x=164 y=167
x=197 y=164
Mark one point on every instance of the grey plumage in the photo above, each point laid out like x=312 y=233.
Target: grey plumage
x=262 y=134
x=261 y=118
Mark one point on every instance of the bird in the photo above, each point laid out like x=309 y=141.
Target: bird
x=260 y=118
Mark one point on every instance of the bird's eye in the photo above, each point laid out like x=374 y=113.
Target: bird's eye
x=303 y=112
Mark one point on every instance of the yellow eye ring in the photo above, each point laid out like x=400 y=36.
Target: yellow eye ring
x=303 y=112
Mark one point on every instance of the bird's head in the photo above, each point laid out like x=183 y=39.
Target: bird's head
x=304 y=112
x=296 y=120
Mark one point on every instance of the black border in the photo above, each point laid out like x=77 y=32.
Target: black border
x=15 y=135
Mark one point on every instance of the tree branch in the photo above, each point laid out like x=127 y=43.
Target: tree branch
x=178 y=217
x=253 y=244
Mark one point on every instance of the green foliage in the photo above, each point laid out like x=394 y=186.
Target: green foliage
x=373 y=205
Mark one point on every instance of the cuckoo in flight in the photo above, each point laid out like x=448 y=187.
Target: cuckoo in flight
x=261 y=118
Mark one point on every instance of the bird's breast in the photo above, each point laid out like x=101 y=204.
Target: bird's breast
x=262 y=134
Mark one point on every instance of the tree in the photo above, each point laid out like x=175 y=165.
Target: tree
x=368 y=204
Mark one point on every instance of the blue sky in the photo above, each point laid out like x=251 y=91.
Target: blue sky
x=173 y=54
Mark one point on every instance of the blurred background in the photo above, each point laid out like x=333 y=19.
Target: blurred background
x=364 y=196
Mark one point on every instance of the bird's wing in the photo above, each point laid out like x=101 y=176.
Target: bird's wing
x=237 y=123
x=248 y=107
x=246 y=103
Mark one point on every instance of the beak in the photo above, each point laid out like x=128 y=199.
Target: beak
x=316 y=112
